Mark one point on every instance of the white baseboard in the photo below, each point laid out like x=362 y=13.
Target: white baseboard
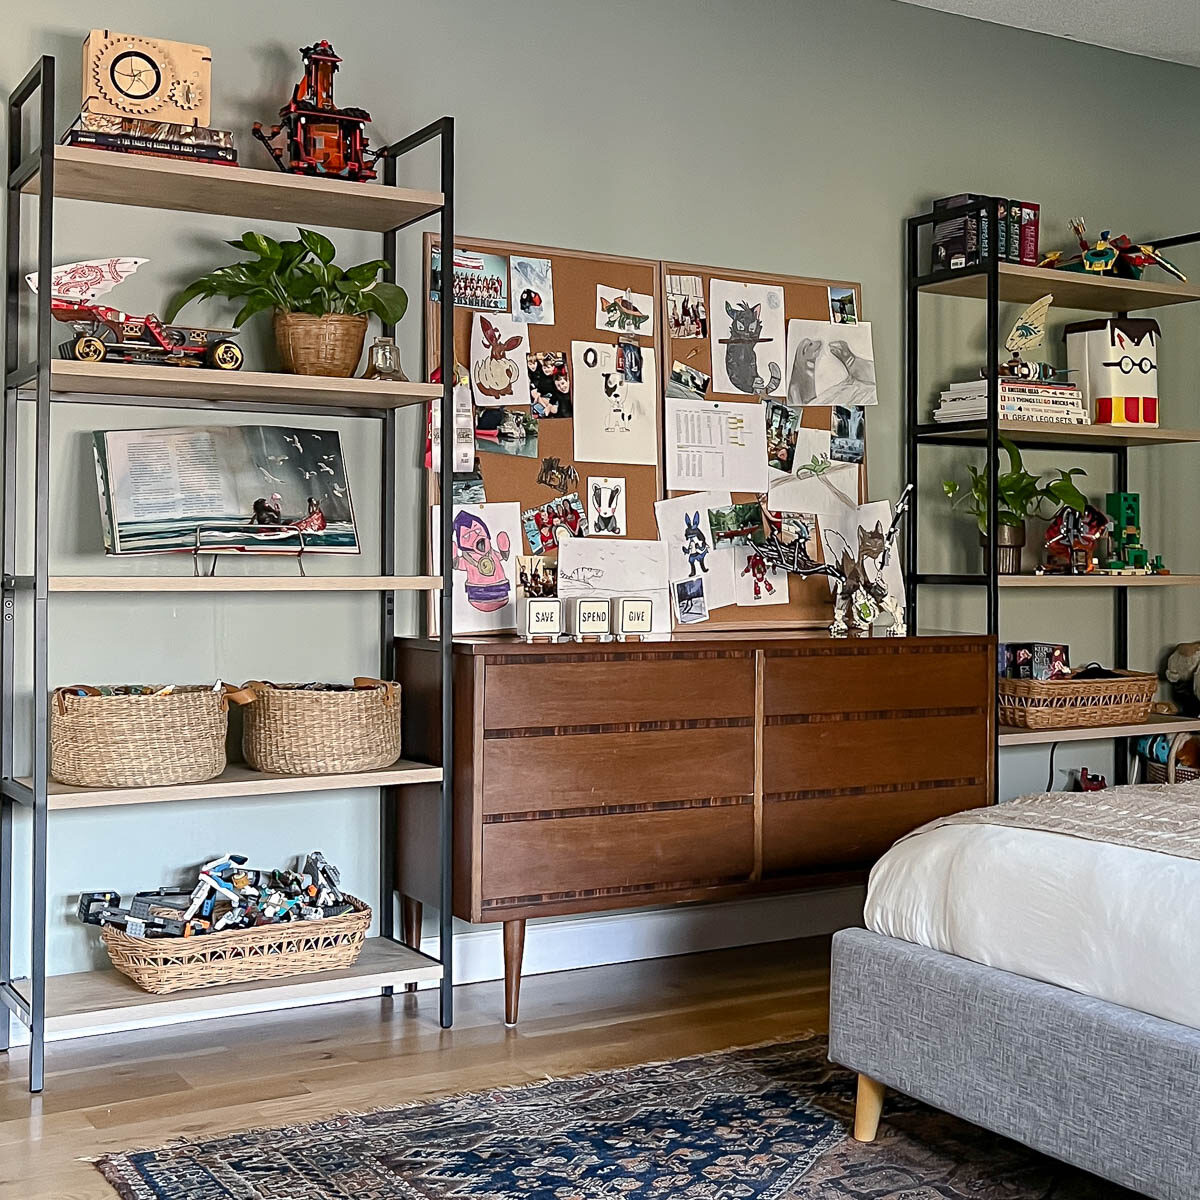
x=569 y=943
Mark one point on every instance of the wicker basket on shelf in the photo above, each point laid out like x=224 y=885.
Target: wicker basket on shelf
x=294 y=730
x=1171 y=771
x=162 y=965
x=1074 y=703
x=138 y=741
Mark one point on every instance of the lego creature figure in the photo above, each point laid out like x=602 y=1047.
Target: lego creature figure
x=695 y=544
x=487 y=585
x=756 y=567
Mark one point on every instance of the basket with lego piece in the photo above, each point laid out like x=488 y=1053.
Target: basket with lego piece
x=1085 y=699
x=1170 y=759
x=139 y=735
x=322 y=728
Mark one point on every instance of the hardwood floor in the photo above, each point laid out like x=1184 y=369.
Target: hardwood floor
x=143 y=1089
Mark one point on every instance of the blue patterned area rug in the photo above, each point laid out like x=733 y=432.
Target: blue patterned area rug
x=768 y=1123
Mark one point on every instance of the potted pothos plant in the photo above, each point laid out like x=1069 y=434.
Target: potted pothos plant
x=1019 y=496
x=321 y=310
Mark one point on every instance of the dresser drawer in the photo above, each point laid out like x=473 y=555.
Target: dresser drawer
x=535 y=774
x=631 y=853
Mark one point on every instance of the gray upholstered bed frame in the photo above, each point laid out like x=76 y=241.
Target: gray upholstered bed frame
x=1110 y=1090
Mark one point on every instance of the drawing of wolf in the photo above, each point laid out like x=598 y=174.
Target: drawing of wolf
x=741 y=350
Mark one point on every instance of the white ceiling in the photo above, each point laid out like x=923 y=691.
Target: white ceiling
x=1166 y=29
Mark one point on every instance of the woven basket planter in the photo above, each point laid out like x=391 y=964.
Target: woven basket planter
x=163 y=965
x=138 y=741
x=326 y=345
x=1072 y=703
x=293 y=731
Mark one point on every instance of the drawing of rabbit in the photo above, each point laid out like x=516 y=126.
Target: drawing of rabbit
x=695 y=544
x=495 y=375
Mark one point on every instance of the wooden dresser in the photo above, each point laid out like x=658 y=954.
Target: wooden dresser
x=619 y=775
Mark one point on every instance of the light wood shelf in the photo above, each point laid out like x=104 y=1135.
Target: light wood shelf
x=1010 y=736
x=1097 y=581
x=147 y=182
x=92 y=1002
x=238 y=781
x=1071 y=289
x=116 y=382
x=245 y=583
x=1083 y=435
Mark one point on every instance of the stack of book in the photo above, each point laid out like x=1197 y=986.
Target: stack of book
x=161 y=139
x=965 y=238
x=1019 y=400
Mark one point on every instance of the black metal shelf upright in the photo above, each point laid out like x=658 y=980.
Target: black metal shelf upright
x=990 y=270
x=30 y=380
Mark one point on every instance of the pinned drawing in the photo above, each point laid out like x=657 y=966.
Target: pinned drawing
x=747 y=338
x=692 y=553
x=606 y=506
x=499 y=360
x=817 y=484
x=614 y=419
x=624 y=311
x=485 y=538
x=602 y=569
x=830 y=364
x=695 y=543
x=532 y=289
x=758 y=581
x=560 y=476
x=549 y=384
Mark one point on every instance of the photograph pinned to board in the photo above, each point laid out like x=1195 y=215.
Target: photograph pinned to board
x=817 y=483
x=532 y=290
x=748 y=338
x=241 y=488
x=686 y=314
x=480 y=280
x=549 y=384
x=711 y=444
x=506 y=431
x=629 y=360
x=550 y=524
x=782 y=426
x=499 y=360
x=615 y=420
x=758 y=583
x=843 y=307
x=537 y=576
x=687 y=383
x=467 y=486
x=856 y=538
x=486 y=539
x=624 y=311
x=557 y=475
x=691 y=551
x=830 y=364
x=848 y=442
x=606 y=505
x=691 y=606
x=599 y=569
x=737 y=524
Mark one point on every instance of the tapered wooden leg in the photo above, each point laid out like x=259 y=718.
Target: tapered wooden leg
x=514 y=950
x=410 y=928
x=868 y=1108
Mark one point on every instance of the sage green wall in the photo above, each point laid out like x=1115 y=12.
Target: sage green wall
x=783 y=135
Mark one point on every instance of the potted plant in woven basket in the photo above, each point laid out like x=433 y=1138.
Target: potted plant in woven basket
x=321 y=310
x=1020 y=495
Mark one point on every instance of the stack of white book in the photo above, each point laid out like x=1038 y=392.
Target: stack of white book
x=1019 y=400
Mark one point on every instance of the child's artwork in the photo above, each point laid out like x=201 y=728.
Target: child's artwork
x=849 y=432
x=736 y=524
x=782 y=426
x=857 y=534
x=600 y=569
x=830 y=363
x=486 y=539
x=550 y=524
x=606 y=505
x=549 y=384
x=687 y=383
x=759 y=582
x=506 y=431
x=615 y=420
x=686 y=316
x=842 y=308
x=250 y=488
x=537 y=576
x=690 y=604
x=480 y=280
x=692 y=554
x=747 y=338
x=624 y=311
x=817 y=483
x=560 y=476
x=499 y=360
x=532 y=289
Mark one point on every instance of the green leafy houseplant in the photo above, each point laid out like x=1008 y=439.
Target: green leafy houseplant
x=321 y=309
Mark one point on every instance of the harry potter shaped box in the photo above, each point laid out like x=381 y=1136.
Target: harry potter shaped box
x=1115 y=363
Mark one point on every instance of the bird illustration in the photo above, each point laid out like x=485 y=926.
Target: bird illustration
x=338 y=492
x=277 y=459
x=323 y=466
x=293 y=440
x=269 y=477
x=308 y=474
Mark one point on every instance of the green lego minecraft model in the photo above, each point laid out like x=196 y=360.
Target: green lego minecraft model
x=1129 y=556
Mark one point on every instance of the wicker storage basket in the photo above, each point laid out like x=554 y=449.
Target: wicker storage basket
x=1070 y=703
x=328 y=345
x=162 y=965
x=138 y=741
x=293 y=731
x=1171 y=771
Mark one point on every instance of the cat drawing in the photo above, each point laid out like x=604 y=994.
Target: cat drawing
x=802 y=386
x=741 y=353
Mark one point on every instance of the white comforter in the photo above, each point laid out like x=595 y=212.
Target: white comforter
x=1114 y=922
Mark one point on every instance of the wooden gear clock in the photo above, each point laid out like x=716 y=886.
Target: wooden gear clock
x=127 y=75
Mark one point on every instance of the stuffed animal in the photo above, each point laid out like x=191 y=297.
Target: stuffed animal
x=1181 y=674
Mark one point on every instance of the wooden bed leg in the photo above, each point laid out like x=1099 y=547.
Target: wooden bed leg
x=514 y=950
x=868 y=1108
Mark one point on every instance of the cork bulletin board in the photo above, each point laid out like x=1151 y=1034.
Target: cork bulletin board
x=809 y=601
x=576 y=276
